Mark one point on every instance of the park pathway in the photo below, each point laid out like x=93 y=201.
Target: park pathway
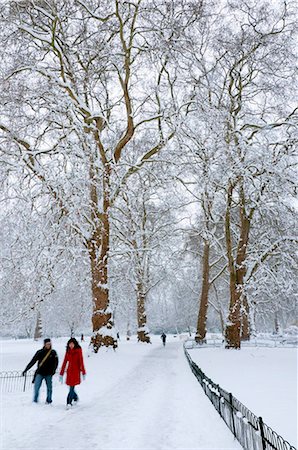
x=152 y=402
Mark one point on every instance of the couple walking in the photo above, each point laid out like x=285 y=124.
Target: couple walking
x=47 y=363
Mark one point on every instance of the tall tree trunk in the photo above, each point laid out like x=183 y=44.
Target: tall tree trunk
x=98 y=247
x=202 y=317
x=237 y=272
x=219 y=311
x=143 y=335
x=38 y=327
x=245 y=328
x=232 y=331
x=276 y=323
x=252 y=320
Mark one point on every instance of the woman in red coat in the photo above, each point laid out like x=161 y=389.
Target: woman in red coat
x=75 y=366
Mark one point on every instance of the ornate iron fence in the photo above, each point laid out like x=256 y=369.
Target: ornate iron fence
x=248 y=429
x=13 y=381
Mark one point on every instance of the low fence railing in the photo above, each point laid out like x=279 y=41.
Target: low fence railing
x=272 y=343
x=13 y=381
x=248 y=429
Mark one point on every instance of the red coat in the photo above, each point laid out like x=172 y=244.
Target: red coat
x=74 y=358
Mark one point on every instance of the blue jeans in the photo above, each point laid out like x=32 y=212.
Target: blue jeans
x=37 y=385
x=72 y=395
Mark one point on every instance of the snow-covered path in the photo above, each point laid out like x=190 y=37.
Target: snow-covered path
x=140 y=397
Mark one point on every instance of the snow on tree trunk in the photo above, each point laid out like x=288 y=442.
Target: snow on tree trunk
x=245 y=326
x=276 y=323
x=38 y=327
x=232 y=331
x=143 y=335
x=202 y=318
x=237 y=271
x=98 y=247
x=102 y=316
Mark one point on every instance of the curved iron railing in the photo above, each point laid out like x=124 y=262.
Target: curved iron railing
x=13 y=381
x=248 y=429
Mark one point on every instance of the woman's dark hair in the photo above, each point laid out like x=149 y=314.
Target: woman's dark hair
x=76 y=344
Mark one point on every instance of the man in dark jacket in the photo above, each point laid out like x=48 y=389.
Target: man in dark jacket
x=47 y=362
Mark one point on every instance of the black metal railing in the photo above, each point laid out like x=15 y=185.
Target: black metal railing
x=13 y=381
x=248 y=429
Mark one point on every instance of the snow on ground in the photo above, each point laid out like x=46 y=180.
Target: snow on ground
x=263 y=379
x=139 y=397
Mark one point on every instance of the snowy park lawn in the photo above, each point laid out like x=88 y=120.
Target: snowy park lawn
x=263 y=379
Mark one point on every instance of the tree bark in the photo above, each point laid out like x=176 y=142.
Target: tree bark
x=276 y=323
x=237 y=272
x=219 y=311
x=245 y=328
x=232 y=331
x=202 y=317
x=143 y=335
x=99 y=243
x=38 y=327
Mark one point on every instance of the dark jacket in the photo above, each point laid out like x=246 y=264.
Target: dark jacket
x=49 y=366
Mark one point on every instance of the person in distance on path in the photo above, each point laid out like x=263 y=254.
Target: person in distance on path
x=47 y=362
x=75 y=366
x=163 y=337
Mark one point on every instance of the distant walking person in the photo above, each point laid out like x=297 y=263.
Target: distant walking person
x=164 y=338
x=75 y=366
x=82 y=338
x=47 y=360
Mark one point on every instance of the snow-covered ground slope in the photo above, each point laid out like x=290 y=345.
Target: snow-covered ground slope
x=263 y=379
x=139 y=397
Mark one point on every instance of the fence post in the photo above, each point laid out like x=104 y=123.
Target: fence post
x=219 y=400
x=24 y=388
x=261 y=425
x=232 y=411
